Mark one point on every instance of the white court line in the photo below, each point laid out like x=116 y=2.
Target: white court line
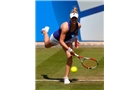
x=76 y=80
x=90 y=80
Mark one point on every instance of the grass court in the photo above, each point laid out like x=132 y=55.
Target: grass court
x=50 y=70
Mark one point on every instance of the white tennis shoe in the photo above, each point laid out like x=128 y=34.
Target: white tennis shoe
x=66 y=80
x=46 y=29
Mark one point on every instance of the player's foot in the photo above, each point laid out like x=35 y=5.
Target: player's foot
x=44 y=30
x=66 y=80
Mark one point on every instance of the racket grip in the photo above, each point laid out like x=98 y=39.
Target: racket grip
x=76 y=54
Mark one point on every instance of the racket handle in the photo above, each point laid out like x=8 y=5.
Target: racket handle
x=76 y=54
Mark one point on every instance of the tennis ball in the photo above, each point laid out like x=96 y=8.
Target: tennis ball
x=74 y=69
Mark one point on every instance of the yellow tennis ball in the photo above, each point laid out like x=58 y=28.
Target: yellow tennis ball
x=74 y=69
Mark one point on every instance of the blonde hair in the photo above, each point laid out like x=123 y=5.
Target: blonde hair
x=75 y=10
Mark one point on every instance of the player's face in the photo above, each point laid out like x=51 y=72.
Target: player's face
x=74 y=20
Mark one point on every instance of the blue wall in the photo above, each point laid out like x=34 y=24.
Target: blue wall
x=53 y=14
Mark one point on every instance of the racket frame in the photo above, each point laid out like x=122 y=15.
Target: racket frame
x=86 y=58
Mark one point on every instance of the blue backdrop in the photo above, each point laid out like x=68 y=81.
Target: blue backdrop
x=54 y=13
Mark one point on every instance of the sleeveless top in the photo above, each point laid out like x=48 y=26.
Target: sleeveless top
x=69 y=34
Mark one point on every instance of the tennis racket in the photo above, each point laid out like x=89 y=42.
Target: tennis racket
x=89 y=63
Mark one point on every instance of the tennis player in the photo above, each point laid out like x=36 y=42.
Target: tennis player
x=65 y=36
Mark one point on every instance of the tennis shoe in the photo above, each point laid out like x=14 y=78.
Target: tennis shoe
x=46 y=29
x=66 y=80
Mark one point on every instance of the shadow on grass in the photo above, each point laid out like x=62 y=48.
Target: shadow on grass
x=59 y=79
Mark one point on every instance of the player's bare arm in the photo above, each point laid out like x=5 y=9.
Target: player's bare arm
x=64 y=28
x=76 y=35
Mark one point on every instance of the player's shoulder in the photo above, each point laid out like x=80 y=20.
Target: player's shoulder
x=64 y=25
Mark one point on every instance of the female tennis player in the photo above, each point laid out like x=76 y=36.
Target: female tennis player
x=65 y=36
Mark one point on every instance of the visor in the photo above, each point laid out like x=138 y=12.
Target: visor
x=74 y=15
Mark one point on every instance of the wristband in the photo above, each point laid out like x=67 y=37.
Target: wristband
x=69 y=50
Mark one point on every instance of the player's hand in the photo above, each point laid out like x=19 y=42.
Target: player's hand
x=77 y=44
x=72 y=52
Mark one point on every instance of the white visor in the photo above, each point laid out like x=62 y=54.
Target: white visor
x=74 y=15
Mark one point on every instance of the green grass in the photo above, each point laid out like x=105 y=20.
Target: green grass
x=72 y=86
x=50 y=63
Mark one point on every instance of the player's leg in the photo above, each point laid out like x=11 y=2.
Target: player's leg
x=46 y=37
x=68 y=64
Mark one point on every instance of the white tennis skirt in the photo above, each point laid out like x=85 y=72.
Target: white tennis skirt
x=55 y=41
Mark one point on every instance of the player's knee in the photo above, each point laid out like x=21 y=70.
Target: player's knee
x=70 y=57
x=47 y=46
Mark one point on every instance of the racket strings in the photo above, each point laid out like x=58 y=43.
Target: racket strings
x=89 y=63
